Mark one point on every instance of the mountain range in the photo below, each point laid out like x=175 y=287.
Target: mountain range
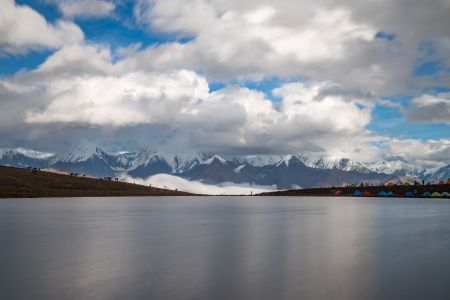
x=289 y=171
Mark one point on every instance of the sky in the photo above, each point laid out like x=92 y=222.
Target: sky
x=360 y=79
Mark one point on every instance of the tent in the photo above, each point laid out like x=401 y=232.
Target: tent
x=436 y=195
x=409 y=194
x=426 y=195
x=366 y=194
x=445 y=195
x=382 y=194
x=390 y=194
x=357 y=193
x=338 y=193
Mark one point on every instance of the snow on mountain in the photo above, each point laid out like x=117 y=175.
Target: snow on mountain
x=183 y=163
x=83 y=153
x=257 y=160
x=22 y=158
x=398 y=168
x=238 y=169
x=443 y=174
x=213 y=159
x=284 y=170
x=285 y=160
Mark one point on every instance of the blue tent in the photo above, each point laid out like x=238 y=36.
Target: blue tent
x=409 y=194
x=357 y=193
x=390 y=194
x=382 y=194
x=426 y=195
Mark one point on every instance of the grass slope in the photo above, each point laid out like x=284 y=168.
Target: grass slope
x=21 y=183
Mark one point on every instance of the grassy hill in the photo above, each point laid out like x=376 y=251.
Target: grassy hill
x=22 y=183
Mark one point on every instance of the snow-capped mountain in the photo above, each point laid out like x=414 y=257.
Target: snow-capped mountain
x=399 y=168
x=443 y=174
x=23 y=158
x=284 y=171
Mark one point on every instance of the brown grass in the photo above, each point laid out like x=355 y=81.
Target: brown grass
x=22 y=183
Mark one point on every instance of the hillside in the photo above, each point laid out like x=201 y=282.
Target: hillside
x=22 y=183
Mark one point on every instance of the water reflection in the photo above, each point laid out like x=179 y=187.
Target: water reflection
x=224 y=248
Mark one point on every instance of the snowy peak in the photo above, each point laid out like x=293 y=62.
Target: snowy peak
x=257 y=160
x=83 y=154
x=443 y=174
x=22 y=158
x=398 y=168
x=215 y=159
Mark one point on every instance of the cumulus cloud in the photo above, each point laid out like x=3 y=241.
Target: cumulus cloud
x=175 y=182
x=70 y=90
x=428 y=154
x=85 y=8
x=430 y=108
x=22 y=29
x=325 y=40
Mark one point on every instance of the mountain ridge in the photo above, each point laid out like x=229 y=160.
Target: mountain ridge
x=285 y=171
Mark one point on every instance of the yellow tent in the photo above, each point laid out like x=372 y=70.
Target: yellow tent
x=436 y=195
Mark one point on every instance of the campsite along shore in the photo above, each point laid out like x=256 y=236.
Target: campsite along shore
x=23 y=183
x=401 y=191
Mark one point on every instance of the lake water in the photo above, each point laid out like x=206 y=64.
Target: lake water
x=224 y=248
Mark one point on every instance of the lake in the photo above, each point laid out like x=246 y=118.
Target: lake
x=224 y=248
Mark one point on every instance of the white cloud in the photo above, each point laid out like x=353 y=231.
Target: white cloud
x=311 y=116
x=85 y=91
x=430 y=108
x=324 y=40
x=22 y=29
x=175 y=182
x=85 y=8
x=428 y=153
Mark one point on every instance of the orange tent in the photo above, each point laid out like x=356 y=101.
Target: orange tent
x=338 y=193
x=366 y=194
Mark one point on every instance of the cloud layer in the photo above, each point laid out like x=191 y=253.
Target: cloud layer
x=364 y=45
x=430 y=108
x=335 y=61
x=175 y=182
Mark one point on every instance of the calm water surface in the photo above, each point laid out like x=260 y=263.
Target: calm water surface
x=224 y=248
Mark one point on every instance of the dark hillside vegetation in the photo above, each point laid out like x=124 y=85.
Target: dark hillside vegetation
x=23 y=183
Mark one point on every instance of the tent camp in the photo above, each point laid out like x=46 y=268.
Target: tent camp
x=357 y=193
x=409 y=194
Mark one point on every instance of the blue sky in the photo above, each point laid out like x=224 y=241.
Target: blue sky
x=397 y=84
